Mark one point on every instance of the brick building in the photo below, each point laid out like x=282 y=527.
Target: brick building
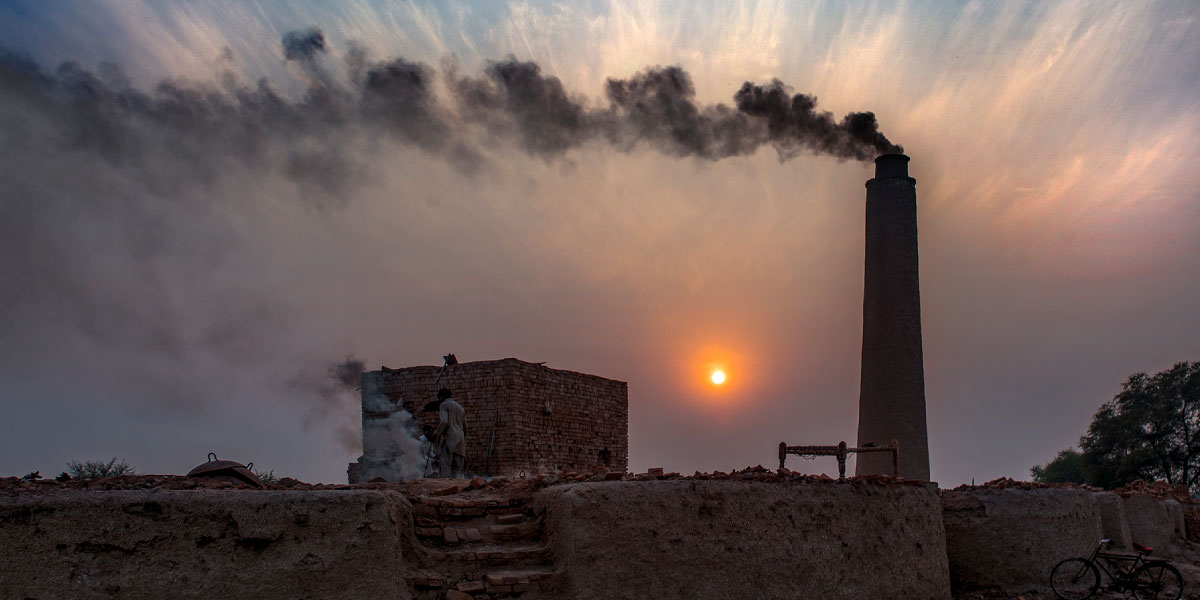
x=520 y=417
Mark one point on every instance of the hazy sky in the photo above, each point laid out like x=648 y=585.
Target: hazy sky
x=178 y=282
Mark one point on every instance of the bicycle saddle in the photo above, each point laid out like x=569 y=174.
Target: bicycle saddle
x=1142 y=549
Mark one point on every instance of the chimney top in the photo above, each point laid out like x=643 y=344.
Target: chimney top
x=891 y=165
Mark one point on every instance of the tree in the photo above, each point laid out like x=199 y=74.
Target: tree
x=1067 y=467
x=1150 y=430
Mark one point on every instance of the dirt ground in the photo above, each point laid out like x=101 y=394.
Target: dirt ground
x=1187 y=561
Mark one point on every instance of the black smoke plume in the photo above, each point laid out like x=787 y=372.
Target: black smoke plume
x=303 y=45
x=794 y=124
x=183 y=133
x=657 y=107
x=345 y=375
x=514 y=98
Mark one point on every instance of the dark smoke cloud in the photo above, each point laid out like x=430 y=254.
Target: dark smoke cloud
x=184 y=133
x=794 y=124
x=657 y=107
x=514 y=98
x=333 y=400
x=303 y=45
x=398 y=96
x=347 y=374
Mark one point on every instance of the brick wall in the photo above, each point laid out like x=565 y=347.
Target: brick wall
x=544 y=420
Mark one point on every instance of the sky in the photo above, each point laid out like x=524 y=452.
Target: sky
x=206 y=204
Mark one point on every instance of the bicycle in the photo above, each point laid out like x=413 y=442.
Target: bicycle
x=1147 y=578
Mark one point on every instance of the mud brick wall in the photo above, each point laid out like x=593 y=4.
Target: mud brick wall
x=1113 y=523
x=1191 y=520
x=544 y=420
x=1154 y=522
x=277 y=545
x=1006 y=538
x=680 y=539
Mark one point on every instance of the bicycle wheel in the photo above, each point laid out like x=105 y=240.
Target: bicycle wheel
x=1075 y=579
x=1158 y=581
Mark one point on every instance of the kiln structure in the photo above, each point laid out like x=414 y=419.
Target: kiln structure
x=891 y=403
x=521 y=418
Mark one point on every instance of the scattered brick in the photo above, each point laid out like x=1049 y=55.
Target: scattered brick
x=510 y=519
x=470 y=587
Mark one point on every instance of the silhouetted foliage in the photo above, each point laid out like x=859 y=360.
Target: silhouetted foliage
x=267 y=477
x=95 y=469
x=1067 y=467
x=1150 y=430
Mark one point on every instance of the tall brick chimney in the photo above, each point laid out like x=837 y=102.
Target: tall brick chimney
x=891 y=404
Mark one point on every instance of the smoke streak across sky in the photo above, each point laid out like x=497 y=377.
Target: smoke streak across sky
x=186 y=249
x=254 y=128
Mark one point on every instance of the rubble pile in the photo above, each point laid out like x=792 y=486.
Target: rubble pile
x=1158 y=489
x=757 y=473
x=1008 y=483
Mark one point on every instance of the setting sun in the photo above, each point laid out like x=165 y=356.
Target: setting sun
x=718 y=377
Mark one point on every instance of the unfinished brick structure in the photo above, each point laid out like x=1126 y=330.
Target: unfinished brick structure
x=520 y=416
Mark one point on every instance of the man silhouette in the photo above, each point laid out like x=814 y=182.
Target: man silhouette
x=450 y=438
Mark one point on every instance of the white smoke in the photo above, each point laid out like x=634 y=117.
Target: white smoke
x=390 y=448
x=392 y=444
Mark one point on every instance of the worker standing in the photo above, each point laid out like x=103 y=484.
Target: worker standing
x=450 y=436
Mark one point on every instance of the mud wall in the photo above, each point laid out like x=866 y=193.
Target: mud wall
x=203 y=544
x=1113 y=524
x=1154 y=522
x=1191 y=521
x=697 y=539
x=1014 y=537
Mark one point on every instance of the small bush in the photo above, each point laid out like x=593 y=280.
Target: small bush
x=267 y=477
x=95 y=469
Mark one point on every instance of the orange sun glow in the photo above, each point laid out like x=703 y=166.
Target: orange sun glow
x=718 y=377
